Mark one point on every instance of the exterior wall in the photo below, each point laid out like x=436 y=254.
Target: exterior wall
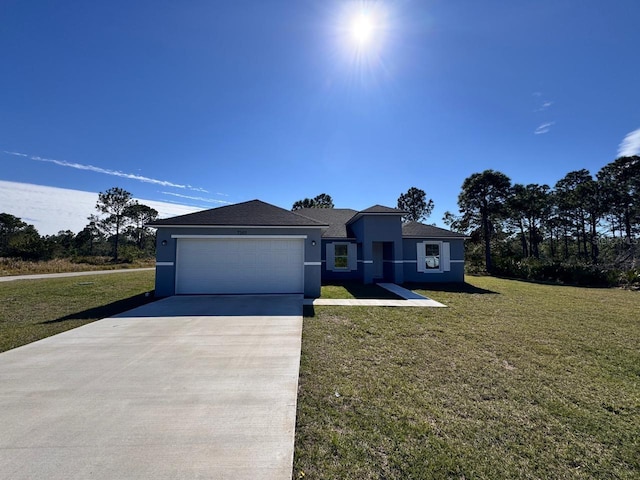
x=411 y=273
x=380 y=228
x=166 y=253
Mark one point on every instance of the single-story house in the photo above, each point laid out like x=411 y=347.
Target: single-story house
x=255 y=247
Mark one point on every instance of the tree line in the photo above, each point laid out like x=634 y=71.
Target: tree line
x=585 y=228
x=117 y=230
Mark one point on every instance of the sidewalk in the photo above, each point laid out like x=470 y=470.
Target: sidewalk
x=411 y=299
x=40 y=276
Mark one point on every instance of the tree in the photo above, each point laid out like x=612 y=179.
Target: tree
x=140 y=215
x=579 y=200
x=528 y=208
x=9 y=225
x=482 y=202
x=321 y=201
x=18 y=239
x=113 y=203
x=620 y=182
x=86 y=240
x=415 y=203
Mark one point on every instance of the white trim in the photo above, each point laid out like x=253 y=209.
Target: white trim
x=410 y=261
x=365 y=261
x=395 y=261
x=238 y=226
x=164 y=264
x=312 y=264
x=421 y=256
x=226 y=237
x=456 y=261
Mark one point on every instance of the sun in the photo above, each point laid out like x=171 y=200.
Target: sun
x=362 y=29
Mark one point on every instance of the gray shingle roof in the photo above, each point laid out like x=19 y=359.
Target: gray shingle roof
x=382 y=209
x=420 y=230
x=252 y=213
x=336 y=218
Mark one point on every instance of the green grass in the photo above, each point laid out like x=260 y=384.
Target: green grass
x=512 y=380
x=35 y=309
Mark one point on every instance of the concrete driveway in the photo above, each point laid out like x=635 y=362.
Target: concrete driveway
x=186 y=387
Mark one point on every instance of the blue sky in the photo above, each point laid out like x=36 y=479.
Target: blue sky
x=231 y=101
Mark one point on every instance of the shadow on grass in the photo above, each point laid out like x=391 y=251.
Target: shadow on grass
x=449 y=287
x=104 y=311
x=308 y=311
x=362 y=291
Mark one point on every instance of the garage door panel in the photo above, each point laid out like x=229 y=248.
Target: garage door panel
x=239 y=266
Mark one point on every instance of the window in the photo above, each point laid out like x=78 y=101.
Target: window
x=432 y=256
x=342 y=257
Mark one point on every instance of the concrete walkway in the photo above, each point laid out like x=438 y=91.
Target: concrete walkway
x=411 y=299
x=41 y=276
x=181 y=388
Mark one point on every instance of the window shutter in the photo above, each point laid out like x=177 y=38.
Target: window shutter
x=446 y=256
x=331 y=258
x=420 y=256
x=353 y=256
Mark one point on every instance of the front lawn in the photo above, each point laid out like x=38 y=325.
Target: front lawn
x=513 y=380
x=35 y=309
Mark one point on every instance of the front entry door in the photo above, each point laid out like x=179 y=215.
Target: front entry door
x=378 y=260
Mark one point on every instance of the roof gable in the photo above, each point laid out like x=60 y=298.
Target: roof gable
x=382 y=209
x=420 y=230
x=251 y=213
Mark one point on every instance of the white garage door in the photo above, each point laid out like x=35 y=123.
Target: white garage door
x=240 y=265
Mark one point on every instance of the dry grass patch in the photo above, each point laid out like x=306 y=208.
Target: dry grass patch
x=14 y=266
x=530 y=381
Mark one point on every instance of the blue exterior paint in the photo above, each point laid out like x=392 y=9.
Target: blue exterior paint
x=411 y=273
x=398 y=257
x=380 y=228
x=166 y=254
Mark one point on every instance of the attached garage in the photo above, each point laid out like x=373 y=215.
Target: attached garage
x=246 y=248
x=235 y=265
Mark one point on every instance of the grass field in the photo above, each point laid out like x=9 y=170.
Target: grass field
x=512 y=380
x=34 y=309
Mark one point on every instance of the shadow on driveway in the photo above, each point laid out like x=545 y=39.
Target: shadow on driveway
x=104 y=311
x=219 y=306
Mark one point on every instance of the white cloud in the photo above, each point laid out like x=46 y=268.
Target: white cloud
x=51 y=209
x=544 y=128
x=106 y=171
x=545 y=105
x=630 y=146
x=200 y=199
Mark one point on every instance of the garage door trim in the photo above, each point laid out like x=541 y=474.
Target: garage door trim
x=223 y=237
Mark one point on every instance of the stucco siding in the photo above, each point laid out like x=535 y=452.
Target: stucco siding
x=455 y=274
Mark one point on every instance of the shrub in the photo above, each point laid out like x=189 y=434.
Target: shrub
x=557 y=272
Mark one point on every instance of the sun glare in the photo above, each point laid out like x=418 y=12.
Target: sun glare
x=362 y=29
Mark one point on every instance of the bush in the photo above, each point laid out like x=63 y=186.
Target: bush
x=557 y=272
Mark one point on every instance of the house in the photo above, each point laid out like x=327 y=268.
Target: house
x=255 y=247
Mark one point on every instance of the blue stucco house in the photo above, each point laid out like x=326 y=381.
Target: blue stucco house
x=255 y=247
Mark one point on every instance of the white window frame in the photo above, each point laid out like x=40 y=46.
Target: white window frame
x=352 y=257
x=445 y=256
